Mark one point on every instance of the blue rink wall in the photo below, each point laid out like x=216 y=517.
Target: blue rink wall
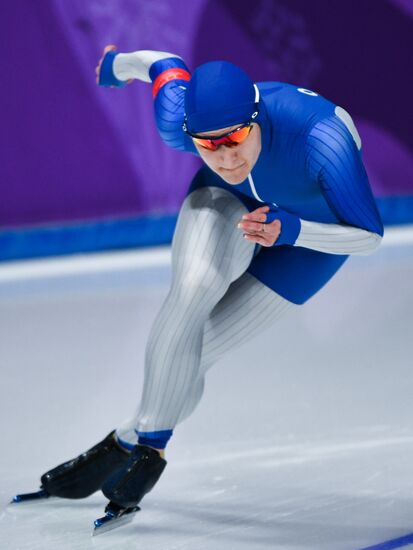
x=118 y=234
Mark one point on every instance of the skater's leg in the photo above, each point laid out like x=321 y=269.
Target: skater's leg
x=208 y=253
x=247 y=309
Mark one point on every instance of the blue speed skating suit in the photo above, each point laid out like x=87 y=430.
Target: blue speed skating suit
x=310 y=168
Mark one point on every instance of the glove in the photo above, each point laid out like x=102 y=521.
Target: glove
x=106 y=75
x=290 y=226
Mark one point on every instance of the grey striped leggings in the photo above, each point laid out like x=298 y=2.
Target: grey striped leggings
x=212 y=306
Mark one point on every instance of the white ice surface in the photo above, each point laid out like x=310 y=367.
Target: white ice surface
x=303 y=440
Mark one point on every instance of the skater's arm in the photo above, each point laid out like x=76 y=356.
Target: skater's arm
x=168 y=74
x=284 y=228
x=335 y=160
x=117 y=69
x=337 y=239
x=136 y=65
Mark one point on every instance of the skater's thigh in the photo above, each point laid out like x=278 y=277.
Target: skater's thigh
x=206 y=236
x=207 y=213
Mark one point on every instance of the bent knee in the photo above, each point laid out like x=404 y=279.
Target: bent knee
x=216 y=201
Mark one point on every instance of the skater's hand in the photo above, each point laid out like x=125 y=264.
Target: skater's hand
x=255 y=229
x=106 y=49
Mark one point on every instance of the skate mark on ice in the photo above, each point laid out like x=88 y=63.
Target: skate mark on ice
x=300 y=453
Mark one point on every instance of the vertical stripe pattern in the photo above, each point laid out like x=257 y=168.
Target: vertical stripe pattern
x=247 y=309
x=208 y=253
x=337 y=239
x=212 y=306
x=333 y=157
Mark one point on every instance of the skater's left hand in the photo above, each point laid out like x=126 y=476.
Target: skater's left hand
x=255 y=229
x=108 y=48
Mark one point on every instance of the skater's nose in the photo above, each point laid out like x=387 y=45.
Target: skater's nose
x=228 y=157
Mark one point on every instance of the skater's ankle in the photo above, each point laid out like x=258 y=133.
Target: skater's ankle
x=124 y=445
x=157 y=440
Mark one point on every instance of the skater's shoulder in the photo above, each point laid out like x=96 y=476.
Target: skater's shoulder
x=293 y=108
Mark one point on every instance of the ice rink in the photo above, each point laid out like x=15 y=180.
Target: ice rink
x=303 y=440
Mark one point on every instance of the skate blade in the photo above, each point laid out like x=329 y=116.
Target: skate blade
x=113 y=520
x=30 y=497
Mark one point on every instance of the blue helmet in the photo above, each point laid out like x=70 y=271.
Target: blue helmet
x=219 y=95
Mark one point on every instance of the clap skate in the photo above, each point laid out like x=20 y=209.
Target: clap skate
x=83 y=475
x=128 y=485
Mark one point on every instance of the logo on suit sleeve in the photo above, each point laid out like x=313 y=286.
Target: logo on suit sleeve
x=307 y=92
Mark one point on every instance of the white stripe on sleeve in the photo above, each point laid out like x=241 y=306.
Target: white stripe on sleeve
x=337 y=239
x=137 y=64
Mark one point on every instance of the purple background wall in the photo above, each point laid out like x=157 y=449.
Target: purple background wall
x=71 y=151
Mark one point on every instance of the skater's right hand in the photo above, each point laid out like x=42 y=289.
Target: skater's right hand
x=106 y=49
x=255 y=227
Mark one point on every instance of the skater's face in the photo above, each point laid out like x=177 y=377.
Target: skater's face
x=232 y=163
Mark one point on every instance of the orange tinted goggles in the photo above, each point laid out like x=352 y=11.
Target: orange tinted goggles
x=233 y=138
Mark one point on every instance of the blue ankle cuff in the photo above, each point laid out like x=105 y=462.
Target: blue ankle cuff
x=155 y=439
x=125 y=444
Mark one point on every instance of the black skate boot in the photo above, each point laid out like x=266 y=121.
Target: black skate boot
x=84 y=475
x=128 y=485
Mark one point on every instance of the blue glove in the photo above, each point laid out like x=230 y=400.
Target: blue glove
x=290 y=225
x=106 y=75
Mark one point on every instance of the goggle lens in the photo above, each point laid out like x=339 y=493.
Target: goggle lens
x=230 y=140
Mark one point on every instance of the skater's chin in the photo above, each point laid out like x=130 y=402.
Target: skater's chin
x=235 y=175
